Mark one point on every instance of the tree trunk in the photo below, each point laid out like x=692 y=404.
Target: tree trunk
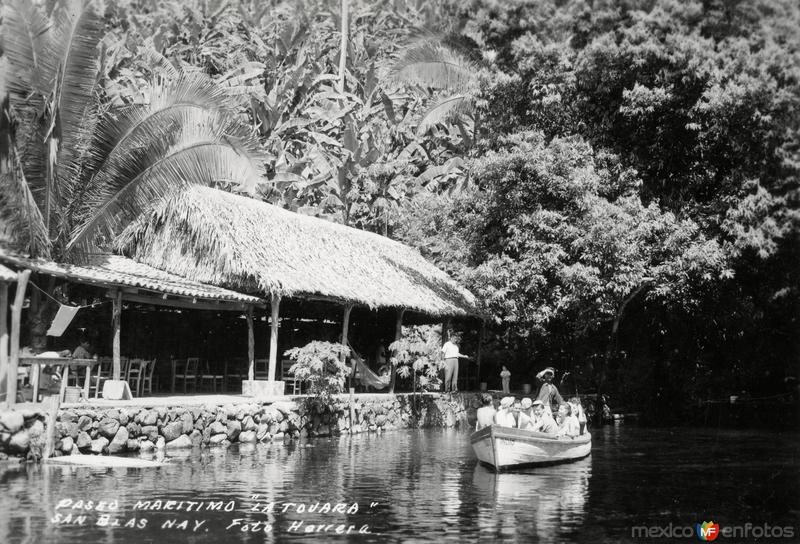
x=116 y=324
x=251 y=350
x=613 y=346
x=39 y=316
x=398 y=335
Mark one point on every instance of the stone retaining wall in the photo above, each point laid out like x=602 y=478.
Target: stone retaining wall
x=92 y=429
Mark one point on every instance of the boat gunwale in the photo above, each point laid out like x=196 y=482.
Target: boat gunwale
x=510 y=433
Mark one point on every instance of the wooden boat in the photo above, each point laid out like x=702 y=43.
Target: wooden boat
x=503 y=448
x=104 y=461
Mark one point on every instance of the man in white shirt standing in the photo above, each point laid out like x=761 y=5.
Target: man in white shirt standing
x=451 y=357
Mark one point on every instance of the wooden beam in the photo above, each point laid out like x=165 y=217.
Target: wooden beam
x=398 y=335
x=16 y=318
x=221 y=305
x=273 y=336
x=3 y=338
x=116 y=325
x=251 y=351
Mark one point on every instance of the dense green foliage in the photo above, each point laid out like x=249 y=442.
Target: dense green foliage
x=616 y=180
x=320 y=365
x=418 y=355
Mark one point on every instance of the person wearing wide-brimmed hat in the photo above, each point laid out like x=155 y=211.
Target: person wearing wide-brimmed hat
x=548 y=392
x=504 y=416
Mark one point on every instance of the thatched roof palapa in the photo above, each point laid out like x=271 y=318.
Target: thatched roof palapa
x=240 y=243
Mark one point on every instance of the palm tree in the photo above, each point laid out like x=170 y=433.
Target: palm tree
x=73 y=169
x=429 y=65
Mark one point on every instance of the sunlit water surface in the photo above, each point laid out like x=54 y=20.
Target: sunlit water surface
x=414 y=486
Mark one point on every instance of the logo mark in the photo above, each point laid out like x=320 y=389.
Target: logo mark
x=707 y=531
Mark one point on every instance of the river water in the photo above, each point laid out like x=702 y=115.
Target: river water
x=415 y=486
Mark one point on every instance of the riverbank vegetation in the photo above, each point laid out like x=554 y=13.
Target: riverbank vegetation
x=617 y=181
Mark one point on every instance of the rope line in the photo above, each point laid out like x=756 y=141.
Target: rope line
x=51 y=297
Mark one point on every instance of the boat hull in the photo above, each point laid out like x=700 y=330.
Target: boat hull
x=504 y=448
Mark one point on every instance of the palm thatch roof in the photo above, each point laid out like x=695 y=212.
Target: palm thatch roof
x=239 y=243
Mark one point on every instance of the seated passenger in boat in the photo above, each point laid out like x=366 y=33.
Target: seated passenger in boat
x=543 y=422
x=505 y=416
x=567 y=423
x=485 y=413
x=577 y=411
x=525 y=417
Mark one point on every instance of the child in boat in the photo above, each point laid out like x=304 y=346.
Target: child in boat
x=543 y=422
x=485 y=413
x=567 y=423
x=505 y=376
x=577 y=411
x=504 y=416
x=525 y=418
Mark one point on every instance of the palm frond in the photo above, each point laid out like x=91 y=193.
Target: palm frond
x=445 y=110
x=157 y=61
x=25 y=40
x=199 y=154
x=76 y=34
x=433 y=65
x=126 y=141
x=20 y=215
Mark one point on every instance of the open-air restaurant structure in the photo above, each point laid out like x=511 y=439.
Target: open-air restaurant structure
x=201 y=296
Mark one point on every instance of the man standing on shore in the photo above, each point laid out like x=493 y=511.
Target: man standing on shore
x=451 y=357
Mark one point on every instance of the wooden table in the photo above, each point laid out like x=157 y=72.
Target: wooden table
x=65 y=363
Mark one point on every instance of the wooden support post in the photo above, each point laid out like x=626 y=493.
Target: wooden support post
x=345 y=327
x=273 y=337
x=16 y=318
x=251 y=342
x=54 y=402
x=445 y=330
x=116 y=324
x=3 y=338
x=398 y=335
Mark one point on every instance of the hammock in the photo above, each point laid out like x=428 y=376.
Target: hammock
x=365 y=375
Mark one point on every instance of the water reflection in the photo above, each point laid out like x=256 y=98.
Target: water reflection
x=420 y=486
x=544 y=502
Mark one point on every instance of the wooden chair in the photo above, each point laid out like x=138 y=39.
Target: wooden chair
x=104 y=371
x=289 y=379
x=136 y=370
x=262 y=369
x=147 y=377
x=188 y=373
x=212 y=374
x=235 y=372
x=125 y=366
